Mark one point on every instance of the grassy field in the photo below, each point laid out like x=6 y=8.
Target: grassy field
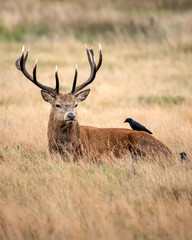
x=146 y=75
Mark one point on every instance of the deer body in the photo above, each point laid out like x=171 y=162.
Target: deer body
x=67 y=137
x=93 y=142
x=121 y=141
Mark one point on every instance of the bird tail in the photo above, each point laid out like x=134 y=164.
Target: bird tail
x=148 y=131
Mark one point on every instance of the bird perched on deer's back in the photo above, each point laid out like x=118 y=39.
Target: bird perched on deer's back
x=137 y=126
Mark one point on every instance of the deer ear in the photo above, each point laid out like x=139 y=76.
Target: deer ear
x=47 y=96
x=82 y=95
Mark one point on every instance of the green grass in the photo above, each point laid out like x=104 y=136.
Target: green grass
x=165 y=100
x=23 y=33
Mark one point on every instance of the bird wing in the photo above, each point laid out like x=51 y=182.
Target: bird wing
x=138 y=126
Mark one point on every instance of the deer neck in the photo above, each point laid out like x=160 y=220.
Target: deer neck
x=63 y=137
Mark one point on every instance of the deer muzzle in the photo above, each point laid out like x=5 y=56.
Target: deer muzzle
x=71 y=117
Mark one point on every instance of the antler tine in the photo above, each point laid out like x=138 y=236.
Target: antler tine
x=100 y=57
x=57 y=81
x=94 y=68
x=20 y=64
x=74 y=81
x=17 y=63
x=88 y=56
x=93 y=71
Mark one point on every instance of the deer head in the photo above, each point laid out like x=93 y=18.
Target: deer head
x=63 y=105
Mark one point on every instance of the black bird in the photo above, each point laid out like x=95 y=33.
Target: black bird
x=184 y=157
x=136 y=126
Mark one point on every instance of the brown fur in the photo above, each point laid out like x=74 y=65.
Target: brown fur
x=92 y=142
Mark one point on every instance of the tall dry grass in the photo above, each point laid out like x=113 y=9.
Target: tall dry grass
x=42 y=197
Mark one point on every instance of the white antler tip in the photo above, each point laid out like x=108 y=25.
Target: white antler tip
x=100 y=46
x=85 y=45
x=56 y=68
x=28 y=50
x=36 y=61
x=23 y=48
x=76 y=66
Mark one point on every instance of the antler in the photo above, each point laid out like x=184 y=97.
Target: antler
x=94 y=69
x=20 y=64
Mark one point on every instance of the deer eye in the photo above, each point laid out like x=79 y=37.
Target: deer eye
x=76 y=105
x=58 y=106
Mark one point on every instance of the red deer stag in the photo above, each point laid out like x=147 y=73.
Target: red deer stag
x=65 y=136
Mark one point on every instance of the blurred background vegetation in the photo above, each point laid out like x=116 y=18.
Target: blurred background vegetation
x=89 y=21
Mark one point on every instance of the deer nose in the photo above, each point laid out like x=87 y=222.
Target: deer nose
x=71 y=116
